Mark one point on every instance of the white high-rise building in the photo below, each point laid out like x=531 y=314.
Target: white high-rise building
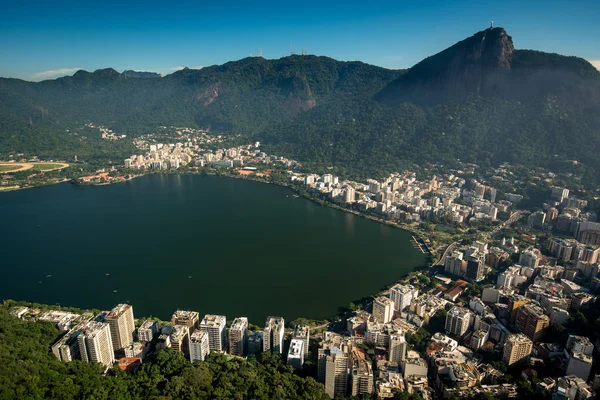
x=180 y=339
x=530 y=258
x=215 y=326
x=336 y=372
x=517 y=348
x=402 y=295
x=397 y=348
x=579 y=350
x=122 y=326
x=374 y=186
x=458 y=320
x=273 y=334
x=295 y=356
x=147 y=330
x=187 y=318
x=303 y=333
x=454 y=263
x=199 y=346
x=349 y=194
x=238 y=337
x=383 y=309
x=95 y=343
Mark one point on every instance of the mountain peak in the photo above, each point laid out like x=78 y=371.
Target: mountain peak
x=471 y=66
x=128 y=73
x=107 y=72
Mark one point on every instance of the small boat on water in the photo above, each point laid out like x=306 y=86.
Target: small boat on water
x=295 y=196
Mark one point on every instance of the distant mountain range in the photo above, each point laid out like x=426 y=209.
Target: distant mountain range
x=479 y=100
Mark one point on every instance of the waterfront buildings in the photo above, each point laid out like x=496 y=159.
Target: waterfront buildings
x=147 y=331
x=180 y=339
x=383 y=309
x=187 y=318
x=120 y=320
x=215 y=326
x=402 y=296
x=95 y=343
x=199 y=346
x=303 y=333
x=238 y=337
x=516 y=349
x=255 y=344
x=273 y=334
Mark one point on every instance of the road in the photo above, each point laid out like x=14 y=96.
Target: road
x=514 y=217
x=448 y=250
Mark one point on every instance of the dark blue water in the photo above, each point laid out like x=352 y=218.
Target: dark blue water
x=213 y=245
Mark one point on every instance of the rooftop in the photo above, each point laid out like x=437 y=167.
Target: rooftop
x=274 y=322
x=93 y=328
x=179 y=332
x=301 y=331
x=296 y=348
x=211 y=320
x=184 y=315
x=118 y=311
x=240 y=323
x=148 y=324
x=198 y=336
x=518 y=337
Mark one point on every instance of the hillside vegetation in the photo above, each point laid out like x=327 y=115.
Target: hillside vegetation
x=479 y=101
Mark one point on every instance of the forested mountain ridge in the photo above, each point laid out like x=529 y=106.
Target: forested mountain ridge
x=479 y=100
x=487 y=64
x=240 y=96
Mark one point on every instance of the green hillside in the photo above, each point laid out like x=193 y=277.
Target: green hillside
x=479 y=100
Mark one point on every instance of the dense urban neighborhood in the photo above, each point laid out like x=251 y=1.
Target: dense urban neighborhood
x=507 y=308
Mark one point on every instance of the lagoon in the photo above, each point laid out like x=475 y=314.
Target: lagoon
x=204 y=243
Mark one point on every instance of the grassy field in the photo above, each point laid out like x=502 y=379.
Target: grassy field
x=48 y=166
x=8 y=168
x=37 y=166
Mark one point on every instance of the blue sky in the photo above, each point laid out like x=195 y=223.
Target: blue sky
x=46 y=39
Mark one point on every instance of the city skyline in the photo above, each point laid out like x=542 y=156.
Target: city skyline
x=42 y=41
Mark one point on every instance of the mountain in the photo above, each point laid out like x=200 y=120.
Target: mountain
x=239 y=96
x=487 y=65
x=480 y=100
x=139 y=74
